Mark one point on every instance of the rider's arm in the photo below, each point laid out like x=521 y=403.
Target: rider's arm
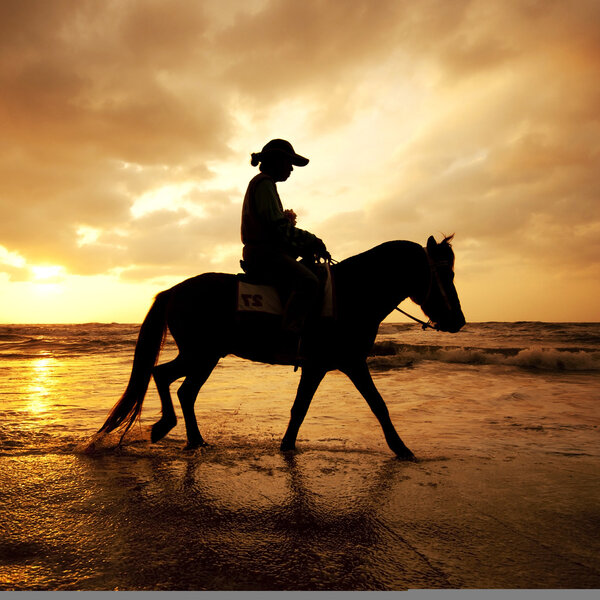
x=270 y=212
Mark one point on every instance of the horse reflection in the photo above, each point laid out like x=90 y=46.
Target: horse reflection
x=318 y=521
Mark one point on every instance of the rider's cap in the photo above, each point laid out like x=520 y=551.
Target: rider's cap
x=282 y=146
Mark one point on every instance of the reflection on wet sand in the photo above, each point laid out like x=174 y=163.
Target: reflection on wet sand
x=263 y=521
x=252 y=519
x=237 y=519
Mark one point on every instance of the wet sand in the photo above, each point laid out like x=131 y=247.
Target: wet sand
x=255 y=519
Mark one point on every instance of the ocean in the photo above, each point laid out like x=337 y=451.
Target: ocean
x=59 y=382
x=493 y=393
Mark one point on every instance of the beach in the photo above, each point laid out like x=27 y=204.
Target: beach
x=503 y=495
x=314 y=521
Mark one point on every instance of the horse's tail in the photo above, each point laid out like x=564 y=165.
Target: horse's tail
x=150 y=340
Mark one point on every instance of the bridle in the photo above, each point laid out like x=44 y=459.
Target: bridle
x=433 y=276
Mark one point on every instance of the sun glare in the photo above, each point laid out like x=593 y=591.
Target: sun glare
x=47 y=279
x=46 y=272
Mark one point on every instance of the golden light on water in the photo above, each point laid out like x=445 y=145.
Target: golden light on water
x=40 y=385
x=37 y=406
x=42 y=364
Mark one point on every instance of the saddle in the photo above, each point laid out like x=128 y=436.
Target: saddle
x=255 y=295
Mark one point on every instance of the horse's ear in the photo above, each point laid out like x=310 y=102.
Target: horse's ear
x=431 y=243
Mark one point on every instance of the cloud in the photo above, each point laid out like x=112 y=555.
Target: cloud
x=509 y=160
x=87 y=91
x=292 y=47
x=474 y=117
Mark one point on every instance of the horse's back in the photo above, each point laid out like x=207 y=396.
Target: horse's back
x=205 y=320
x=204 y=282
x=205 y=296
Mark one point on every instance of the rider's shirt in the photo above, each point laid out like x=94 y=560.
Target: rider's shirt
x=265 y=228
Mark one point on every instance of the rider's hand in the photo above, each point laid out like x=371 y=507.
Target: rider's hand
x=325 y=256
x=320 y=251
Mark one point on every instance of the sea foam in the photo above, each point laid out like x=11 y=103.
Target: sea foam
x=389 y=356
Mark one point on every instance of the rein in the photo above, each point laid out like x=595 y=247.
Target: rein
x=423 y=324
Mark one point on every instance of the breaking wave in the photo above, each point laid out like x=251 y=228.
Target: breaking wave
x=390 y=355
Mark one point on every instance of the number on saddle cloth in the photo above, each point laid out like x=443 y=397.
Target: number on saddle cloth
x=254 y=295
x=262 y=298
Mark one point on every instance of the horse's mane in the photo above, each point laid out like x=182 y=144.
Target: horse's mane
x=378 y=259
x=374 y=254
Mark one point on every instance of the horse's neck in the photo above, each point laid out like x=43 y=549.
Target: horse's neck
x=370 y=285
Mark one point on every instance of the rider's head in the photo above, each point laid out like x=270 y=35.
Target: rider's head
x=277 y=159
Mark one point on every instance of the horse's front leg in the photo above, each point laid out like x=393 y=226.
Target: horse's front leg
x=309 y=382
x=361 y=377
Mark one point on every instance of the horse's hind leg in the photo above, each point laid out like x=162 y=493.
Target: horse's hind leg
x=164 y=376
x=188 y=393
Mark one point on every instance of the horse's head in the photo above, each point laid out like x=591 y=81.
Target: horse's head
x=439 y=300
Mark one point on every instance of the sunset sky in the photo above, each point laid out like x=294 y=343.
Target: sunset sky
x=127 y=127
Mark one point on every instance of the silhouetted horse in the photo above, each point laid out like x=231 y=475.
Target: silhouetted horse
x=201 y=316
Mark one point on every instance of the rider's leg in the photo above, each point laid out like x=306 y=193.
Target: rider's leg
x=304 y=286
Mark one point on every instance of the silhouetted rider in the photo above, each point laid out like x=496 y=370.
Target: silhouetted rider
x=272 y=242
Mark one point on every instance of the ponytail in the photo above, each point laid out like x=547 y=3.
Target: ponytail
x=256 y=158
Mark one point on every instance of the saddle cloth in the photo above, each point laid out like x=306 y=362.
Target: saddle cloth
x=253 y=297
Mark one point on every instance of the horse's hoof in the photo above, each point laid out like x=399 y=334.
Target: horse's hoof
x=196 y=445
x=406 y=454
x=161 y=428
x=287 y=447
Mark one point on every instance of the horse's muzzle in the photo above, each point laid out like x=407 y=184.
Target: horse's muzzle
x=451 y=326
